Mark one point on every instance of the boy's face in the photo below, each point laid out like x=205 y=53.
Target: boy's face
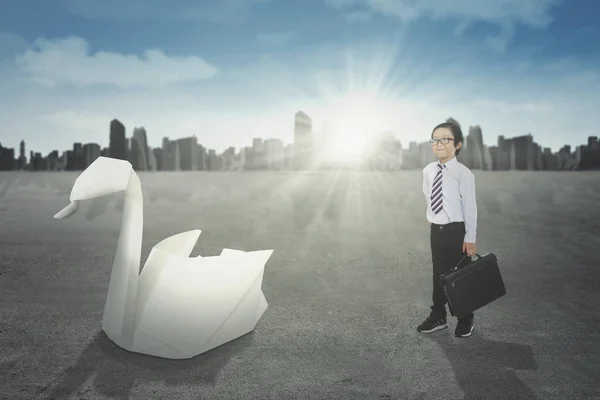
x=442 y=151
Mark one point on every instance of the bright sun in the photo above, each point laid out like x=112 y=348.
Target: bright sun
x=356 y=117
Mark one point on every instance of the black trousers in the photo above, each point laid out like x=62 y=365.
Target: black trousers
x=446 y=252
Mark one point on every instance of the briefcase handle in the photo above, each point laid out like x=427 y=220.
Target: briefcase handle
x=461 y=260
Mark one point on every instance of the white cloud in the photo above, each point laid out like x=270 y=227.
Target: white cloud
x=500 y=42
x=68 y=61
x=11 y=44
x=178 y=10
x=534 y=13
x=275 y=38
x=504 y=13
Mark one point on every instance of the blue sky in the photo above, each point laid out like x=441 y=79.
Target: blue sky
x=231 y=70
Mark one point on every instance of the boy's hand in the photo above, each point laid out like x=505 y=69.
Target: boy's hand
x=469 y=248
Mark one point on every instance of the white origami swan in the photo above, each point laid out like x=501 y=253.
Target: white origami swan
x=179 y=306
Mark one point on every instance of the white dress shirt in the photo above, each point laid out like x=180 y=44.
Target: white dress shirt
x=458 y=196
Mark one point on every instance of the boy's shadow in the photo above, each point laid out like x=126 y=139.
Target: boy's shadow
x=115 y=370
x=485 y=369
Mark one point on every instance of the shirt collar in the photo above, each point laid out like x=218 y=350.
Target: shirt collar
x=450 y=163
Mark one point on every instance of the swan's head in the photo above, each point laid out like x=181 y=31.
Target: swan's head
x=104 y=176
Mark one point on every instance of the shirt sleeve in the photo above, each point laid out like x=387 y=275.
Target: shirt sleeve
x=426 y=185
x=469 y=205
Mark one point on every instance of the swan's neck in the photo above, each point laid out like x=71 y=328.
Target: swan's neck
x=119 y=309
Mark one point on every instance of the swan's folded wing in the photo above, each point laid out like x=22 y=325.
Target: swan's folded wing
x=231 y=252
x=257 y=257
x=193 y=297
x=243 y=318
x=181 y=244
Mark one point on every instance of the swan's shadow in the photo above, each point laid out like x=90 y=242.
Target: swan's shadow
x=485 y=369
x=116 y=370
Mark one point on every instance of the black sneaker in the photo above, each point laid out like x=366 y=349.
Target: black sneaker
x=464 y=328
x=432 y=323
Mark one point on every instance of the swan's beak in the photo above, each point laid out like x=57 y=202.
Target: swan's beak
x=68 y=210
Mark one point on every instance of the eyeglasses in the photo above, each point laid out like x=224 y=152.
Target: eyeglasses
x=444 y=140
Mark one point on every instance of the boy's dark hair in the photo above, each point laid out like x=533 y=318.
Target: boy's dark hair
x=456 y=133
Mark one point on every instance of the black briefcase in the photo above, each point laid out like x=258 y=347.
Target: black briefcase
x=472 y=285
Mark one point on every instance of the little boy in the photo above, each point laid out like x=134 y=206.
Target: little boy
x=449 y=189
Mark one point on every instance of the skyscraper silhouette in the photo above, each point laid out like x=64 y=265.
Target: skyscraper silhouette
x=453 y=121
x=474 y=148
x=188 y=153
x=523 y=152
x=303 y=141
x=117 y=144
x=22 y=158
x=139 y=150
x=91 y=151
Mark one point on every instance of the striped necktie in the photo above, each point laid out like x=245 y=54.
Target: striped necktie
x=436 y=192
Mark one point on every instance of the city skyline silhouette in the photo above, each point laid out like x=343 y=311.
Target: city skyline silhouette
x=309 y=151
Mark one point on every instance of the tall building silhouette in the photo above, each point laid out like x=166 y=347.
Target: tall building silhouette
x=177 y=156
x=487 y=158
x=117 y=146
x=453 y=121
x=7 y=158
x=228 y=158
x=425 y=155
x=259 y=156
x=536 y=157
x=188 y=151
x=22 y=157
x=505 y=154
x=549 y=161
x=214 y=162
x=303 y=141
x=78 y=160
x=91 y=151
x=474 y=148
x=588 y=156
x=246 y=157
x=152 y=161
x=158 y=157
x=167 y=160
x=202 y=158
x=139 y=150
x=523 y=147
x=52 y=161
x=274 y=153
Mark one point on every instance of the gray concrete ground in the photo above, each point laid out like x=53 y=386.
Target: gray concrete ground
x=348 y=283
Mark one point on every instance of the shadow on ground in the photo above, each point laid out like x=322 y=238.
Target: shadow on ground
x=485 y=369
x=115 y=370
